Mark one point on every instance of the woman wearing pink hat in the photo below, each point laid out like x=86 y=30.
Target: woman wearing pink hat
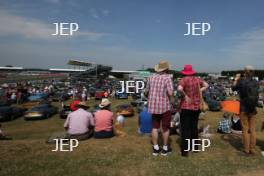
x=190 y=86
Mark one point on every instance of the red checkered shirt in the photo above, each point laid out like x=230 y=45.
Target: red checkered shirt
x=159 y=86
x=190 y=86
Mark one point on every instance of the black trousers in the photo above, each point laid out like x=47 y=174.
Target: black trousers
x=189 y=128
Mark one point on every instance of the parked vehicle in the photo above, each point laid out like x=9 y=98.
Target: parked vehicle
x=38 y=97
x=136 y=96
x=59 y=96
x=121 y=95
x=8 y=113
x=125 y=110
x=137 y=102
x=99 y=94
x=4 y=103
x=41 y=111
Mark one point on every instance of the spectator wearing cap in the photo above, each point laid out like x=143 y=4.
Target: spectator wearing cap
x=73 y=105
x=80 y=123
x=160 y=90
x=104 y=120
x=248 y=90
x=190 y=87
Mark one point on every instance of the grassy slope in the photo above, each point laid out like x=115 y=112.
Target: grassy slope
x=28 y=154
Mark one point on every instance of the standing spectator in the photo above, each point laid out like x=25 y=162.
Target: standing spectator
x=160 y=89
x=248 y=90
x=113 y=94
x=13 y=97
x=84 y=96
x=190 y=106
x=19 y=97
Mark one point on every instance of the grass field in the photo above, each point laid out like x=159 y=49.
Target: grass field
x=28 y=154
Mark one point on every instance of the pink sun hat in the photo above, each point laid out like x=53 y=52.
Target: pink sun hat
x=188 y=70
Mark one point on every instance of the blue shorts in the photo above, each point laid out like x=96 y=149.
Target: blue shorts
x=244 y=109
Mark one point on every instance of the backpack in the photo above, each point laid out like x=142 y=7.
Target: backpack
x=251 y=94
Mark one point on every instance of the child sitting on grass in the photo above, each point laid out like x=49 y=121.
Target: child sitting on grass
x=227 y=125
x=236 y=127
x=119 y=125
x=224 y=125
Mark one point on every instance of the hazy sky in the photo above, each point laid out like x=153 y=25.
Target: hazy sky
x=127 y=34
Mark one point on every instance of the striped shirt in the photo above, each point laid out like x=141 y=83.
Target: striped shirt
x=159 y=86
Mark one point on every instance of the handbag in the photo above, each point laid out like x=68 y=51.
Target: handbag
x=203 y=105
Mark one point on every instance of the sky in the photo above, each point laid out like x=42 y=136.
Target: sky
x=133 y=34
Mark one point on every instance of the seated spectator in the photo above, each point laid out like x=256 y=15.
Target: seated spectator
x=104 y=120
x=145 y=122
x=236 y=125
x=80 y=123
x=120 y=119
x=224 y=125
x=119 y=125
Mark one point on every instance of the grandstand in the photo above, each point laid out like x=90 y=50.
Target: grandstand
x=92 y=70
x=80 y=70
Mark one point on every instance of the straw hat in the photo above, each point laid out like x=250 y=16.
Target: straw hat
x=105 y=102
x=162 y=66
x=188 y=70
